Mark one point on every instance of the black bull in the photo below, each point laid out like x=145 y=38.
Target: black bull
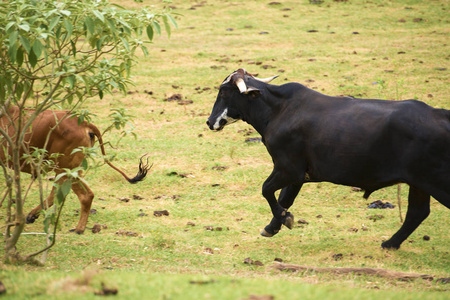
x=364 y=143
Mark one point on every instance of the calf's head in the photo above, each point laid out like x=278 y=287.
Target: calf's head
x=231 y=101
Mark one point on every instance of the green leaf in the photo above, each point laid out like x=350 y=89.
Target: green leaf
x=37 y=48
x=24 y=27
x=9 y=26
x=12 y=52
x=53 y=23
x=167 y=26
x=25 y=43
x=150 y=32
x=69 y=27
x=63 y=191
x=89 y=24
x=65 y=12
x=13 y=37
x=144 y=50
x=125 y=44
x=71 y=80
x=19 y=90
x=112 y=26
x=157 y=27
x=99 y=15
x=84 y=164
x=66 y=187
x=19 y=57
x=172 y=20
x=74 y=48
x=32 y=58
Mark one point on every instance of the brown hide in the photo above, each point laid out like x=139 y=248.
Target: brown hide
x=65 y=135
x=64 y=138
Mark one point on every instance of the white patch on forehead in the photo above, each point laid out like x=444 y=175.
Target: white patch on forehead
x=225 y=117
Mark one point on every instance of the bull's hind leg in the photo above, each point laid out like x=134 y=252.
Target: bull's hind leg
x=286 y=199
x=85 y=195
x=418 y=210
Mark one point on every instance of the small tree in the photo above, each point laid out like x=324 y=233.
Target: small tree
x=55 y=53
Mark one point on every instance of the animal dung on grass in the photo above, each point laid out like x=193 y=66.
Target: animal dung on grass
x=178 y=98
x=106 y=291
x=126 y=233
x=380 y=205
x=160 y=213
x=250 y=261
x=96 y=228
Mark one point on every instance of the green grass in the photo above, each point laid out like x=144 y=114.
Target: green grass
x=371 y=49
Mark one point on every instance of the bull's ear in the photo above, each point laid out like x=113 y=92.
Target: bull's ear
x=252 y=91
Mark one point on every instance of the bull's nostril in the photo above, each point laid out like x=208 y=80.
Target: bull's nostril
x=207 y=122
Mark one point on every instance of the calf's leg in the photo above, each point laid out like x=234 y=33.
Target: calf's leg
x=418 y=210
x=85 y=195
x=34 y=214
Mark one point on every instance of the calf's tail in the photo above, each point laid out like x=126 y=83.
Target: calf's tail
x=143 y=167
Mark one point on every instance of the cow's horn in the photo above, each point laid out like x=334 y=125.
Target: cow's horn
x=241 y=85
x=268 y=79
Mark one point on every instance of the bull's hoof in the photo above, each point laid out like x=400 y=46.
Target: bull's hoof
x=288 y=220
x=31 y=218
x=267 y=232
x=389 y=245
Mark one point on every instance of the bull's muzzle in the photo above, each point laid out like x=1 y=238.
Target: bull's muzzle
x=216 y=126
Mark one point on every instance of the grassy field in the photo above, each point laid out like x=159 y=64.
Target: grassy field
x=210 y=183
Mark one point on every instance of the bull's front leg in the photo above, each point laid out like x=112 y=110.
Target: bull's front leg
x=286 y=199
x=280 y=214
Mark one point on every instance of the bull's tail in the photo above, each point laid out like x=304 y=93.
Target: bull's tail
x=143 y=167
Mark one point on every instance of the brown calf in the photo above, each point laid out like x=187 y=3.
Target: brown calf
x=64 y=135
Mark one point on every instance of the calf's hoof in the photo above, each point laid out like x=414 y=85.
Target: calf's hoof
x=288 y=220
x=77 y=231
x=31 y=218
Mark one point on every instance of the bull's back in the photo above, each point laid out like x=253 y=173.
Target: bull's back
x=350 y=140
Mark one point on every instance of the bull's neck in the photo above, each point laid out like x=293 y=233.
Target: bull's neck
x=260 y=113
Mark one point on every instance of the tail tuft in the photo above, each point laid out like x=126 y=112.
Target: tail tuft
x=143 y=169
